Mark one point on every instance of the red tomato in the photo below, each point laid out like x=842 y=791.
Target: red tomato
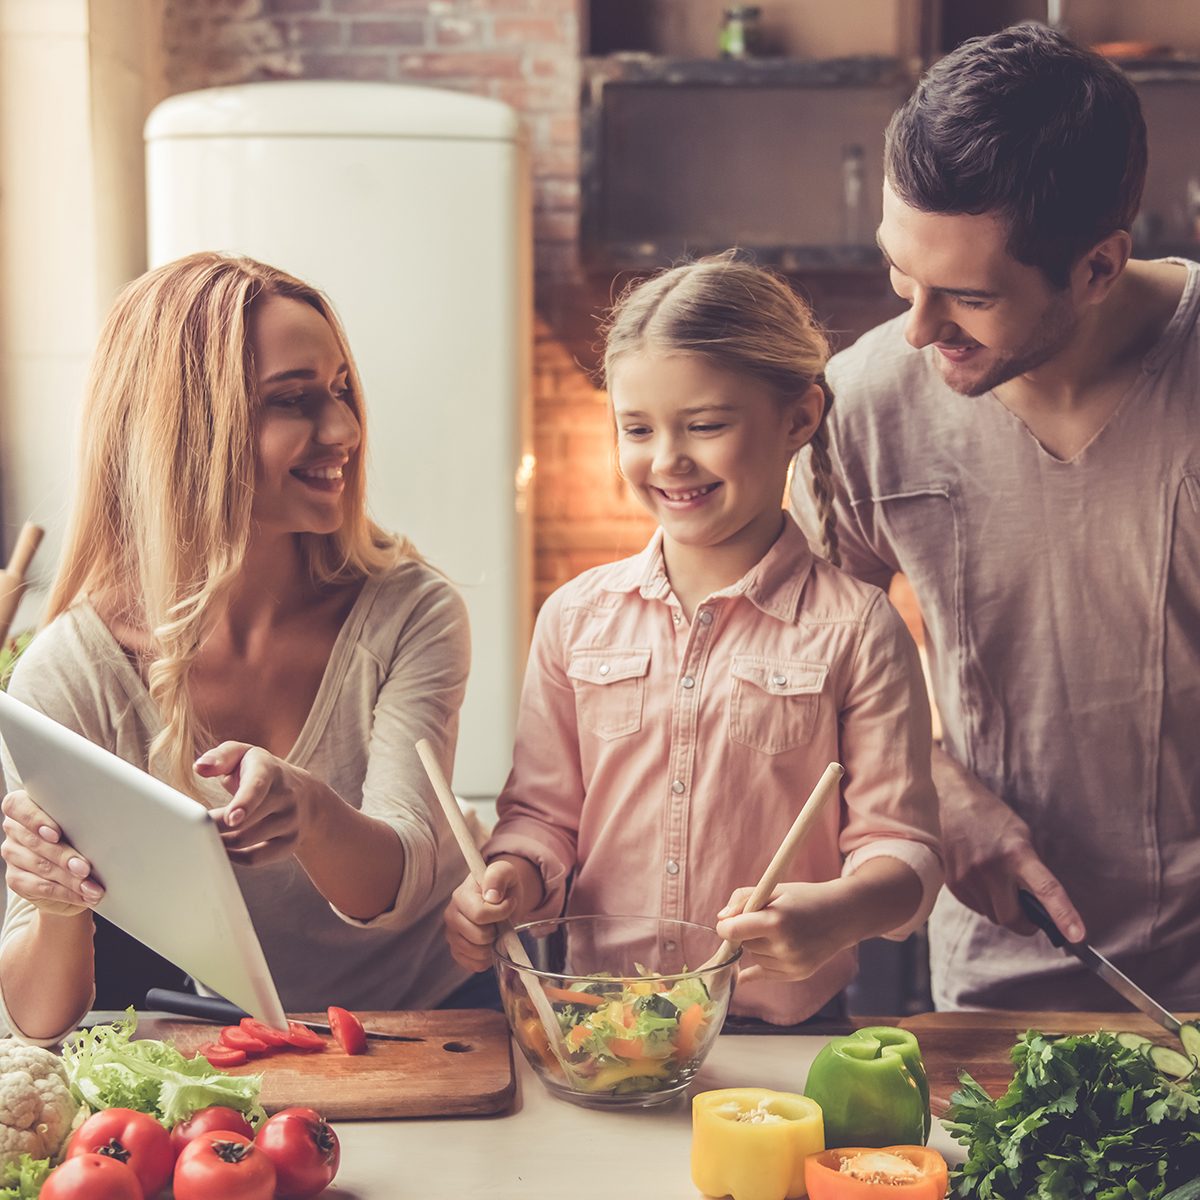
x=221 y=1056
x=304 y=1149
x=205 y=1120
x=348 y=1031
x=236 y=1038
x=303 y=1038
x=218 y=1165
x=132 y=1138
x=264 y=1033
x=91 y=1177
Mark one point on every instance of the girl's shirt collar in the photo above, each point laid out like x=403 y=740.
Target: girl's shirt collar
x=773 y=585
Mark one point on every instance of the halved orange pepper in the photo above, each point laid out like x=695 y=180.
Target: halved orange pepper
x=826 y=1180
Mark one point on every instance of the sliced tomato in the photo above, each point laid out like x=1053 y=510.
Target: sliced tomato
x=304 y=1038
x=264 y=1032
x=221 y=1056
x=348 y=1031
x=236 y=1038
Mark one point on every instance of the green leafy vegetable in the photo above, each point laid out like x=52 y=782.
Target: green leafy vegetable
x=1083 y=1117
x=108 y=1069
x=10 y=651
x=23 y=1179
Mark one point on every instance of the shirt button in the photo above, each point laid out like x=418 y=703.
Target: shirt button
x=706 y=617
x=688 y=681
x=678 y=786
x=672 y=867
x=777 y=680
x=604 y=668
x=676 y=618
x=670 y=945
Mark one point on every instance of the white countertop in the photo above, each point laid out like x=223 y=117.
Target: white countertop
x=547 y=1148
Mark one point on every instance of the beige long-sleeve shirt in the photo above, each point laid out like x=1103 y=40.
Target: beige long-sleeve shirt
x=1062 y=602
x=397 y=673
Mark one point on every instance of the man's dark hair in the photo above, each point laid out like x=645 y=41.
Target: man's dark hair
x=1029 y=126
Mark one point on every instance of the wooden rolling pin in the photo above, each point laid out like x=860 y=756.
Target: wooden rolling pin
x=12 y=578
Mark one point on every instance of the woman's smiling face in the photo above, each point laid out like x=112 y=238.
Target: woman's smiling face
x=307 y=429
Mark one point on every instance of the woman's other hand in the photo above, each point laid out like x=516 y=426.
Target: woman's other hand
x=274 y=804
x=40 y=865
x=509 y=886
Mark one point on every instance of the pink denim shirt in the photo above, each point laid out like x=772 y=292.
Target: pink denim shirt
x=662 y=762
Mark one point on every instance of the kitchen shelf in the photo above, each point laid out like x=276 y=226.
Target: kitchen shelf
x=858 y=71
x=675 y=154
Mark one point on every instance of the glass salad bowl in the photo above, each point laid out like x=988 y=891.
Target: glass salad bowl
x=626 y=1023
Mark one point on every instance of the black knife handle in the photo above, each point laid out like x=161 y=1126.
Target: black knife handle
x=1032 y=907
x=188 y=1004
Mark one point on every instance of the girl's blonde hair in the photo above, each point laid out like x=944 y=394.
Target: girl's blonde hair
x=743 y=319
x=162 y=517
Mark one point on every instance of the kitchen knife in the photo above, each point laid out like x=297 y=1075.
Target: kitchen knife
x=1117 y=980
x=212 y=1008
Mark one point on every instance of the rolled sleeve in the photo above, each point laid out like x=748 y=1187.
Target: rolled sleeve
x=538 y=811
x=420 y=698
x=891 y=804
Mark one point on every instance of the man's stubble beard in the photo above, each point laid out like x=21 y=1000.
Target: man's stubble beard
x=1054 y=331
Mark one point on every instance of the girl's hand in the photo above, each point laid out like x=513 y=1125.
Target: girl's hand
x=473 y=913
x=796 y=933
x=40 y=866
x=273 y=805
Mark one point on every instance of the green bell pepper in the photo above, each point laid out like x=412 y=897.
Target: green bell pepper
x=872 y=1089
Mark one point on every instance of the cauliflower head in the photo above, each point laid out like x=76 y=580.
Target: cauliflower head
x=37 y=1111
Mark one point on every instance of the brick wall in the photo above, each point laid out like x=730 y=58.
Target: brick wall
x=526 y=53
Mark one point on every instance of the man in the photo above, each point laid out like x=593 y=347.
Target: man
x=1024 y=445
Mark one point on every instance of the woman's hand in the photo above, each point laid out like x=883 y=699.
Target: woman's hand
x=988 y=852
x=511 y=886
x=39 y=865
x=796 y=933
x=274 y=804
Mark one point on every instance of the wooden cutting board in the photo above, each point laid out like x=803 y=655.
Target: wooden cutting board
x=462 y=1066
x=979 y=1043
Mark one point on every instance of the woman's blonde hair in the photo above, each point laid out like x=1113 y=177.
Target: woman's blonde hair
x=743 y=319
x=162 y=516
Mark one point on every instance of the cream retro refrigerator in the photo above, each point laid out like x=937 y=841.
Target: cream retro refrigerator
x=409 y=207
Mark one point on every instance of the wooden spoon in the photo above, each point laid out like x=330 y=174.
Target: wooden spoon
x=826 y=789
x=505 y=934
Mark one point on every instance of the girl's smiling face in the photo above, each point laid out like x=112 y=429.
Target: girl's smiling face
x=307 y=429
x=706 y=450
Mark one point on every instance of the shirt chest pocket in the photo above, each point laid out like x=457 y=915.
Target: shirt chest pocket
x=610 y=688
x=773 y=702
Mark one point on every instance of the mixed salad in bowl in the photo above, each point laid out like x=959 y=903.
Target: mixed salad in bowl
x=621 y=1039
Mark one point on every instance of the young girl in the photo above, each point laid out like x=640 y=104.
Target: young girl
x=680 y=705
x=226 y=616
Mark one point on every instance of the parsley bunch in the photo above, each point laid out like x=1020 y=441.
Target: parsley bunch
x=1084 y=1117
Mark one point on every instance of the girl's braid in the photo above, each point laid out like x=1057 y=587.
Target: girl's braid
x=822 y=483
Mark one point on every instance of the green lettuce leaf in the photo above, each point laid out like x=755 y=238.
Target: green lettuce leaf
x=23 y=1179
x=109 y=1069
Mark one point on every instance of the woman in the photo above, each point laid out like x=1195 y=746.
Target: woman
x=227 y=617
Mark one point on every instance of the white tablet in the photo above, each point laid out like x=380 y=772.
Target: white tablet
x=167 y=879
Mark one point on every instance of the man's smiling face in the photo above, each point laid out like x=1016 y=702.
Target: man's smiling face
x=988 y=317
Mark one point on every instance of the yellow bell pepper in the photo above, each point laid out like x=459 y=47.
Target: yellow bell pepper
x=750 y=1143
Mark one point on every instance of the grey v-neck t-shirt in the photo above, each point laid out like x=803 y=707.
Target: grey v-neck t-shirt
x=1062 y=602
x=397 y=673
